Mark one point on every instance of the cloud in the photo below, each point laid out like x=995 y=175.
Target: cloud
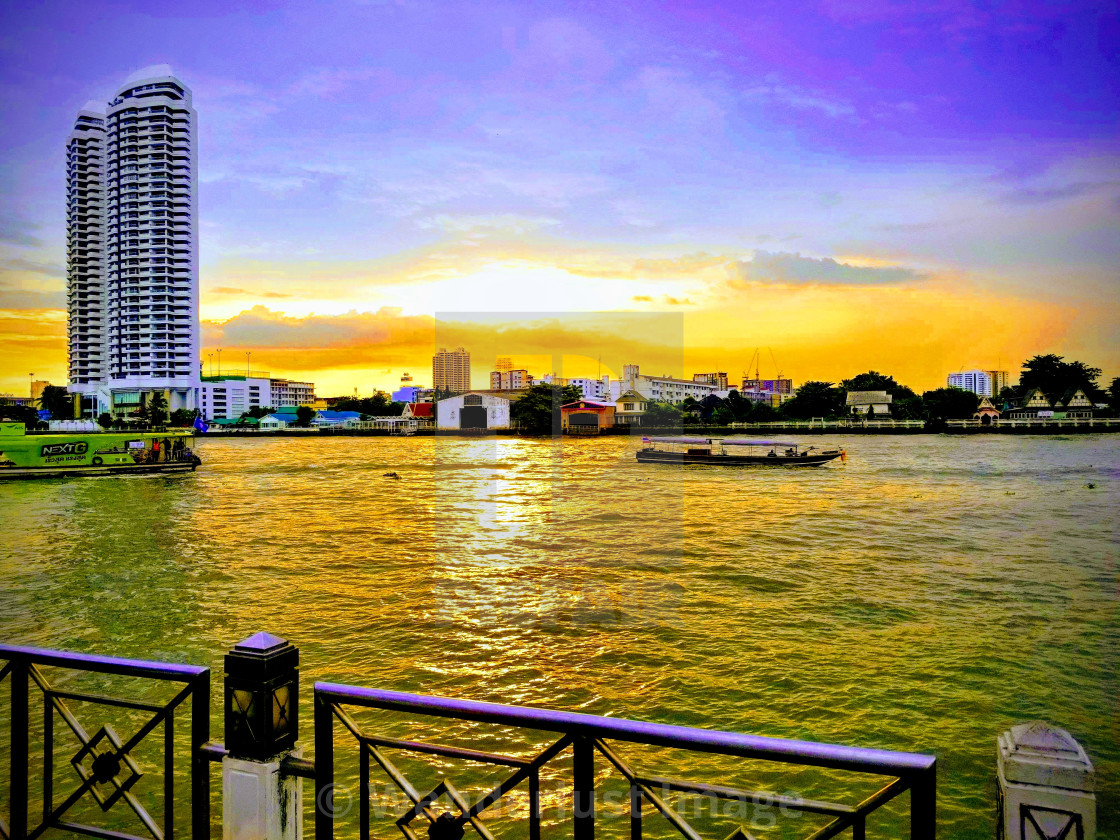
x=773 y=92
x=1045 y=195
x=642 y=299
x=234 y=290
x=796 y=270
x=18 y=232
x=35 y=267
x=468 y=223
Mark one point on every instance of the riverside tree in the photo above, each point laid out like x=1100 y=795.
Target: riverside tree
x=949 y=404
x=58 y=401
x=814 y=399
x=538 y=410
x=905 y=404
x=1056 y=377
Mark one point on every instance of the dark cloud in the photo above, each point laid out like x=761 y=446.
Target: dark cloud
x=794 y=269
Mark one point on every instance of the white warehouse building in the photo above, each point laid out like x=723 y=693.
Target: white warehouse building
x=472 y=412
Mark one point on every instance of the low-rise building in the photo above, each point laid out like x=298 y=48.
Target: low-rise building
x=586 y=417
x=226 y=396
x=273 y=422
x=336 y=418
x=629 y=408
x=986 y=412
x=868 y=402
x=287 y=393
x=1035 y=404
x=423 y=413
x=510 y=380
x=472 y=412
x=592 y=389
x=408 y=393
x=665 y=388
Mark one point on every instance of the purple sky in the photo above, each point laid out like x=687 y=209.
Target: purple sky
x=972 y=141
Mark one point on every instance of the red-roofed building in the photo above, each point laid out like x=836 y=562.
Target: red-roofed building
x=586 y=417
x=423 y=412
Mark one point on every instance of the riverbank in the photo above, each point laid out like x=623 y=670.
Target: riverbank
x=759 y=431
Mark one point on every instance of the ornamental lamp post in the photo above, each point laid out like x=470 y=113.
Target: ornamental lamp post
x=261 y=697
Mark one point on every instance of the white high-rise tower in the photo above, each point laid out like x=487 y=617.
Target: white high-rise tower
x=137 y=304
x=85 y=250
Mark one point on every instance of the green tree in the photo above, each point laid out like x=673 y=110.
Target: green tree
x=1114 y=396
x=184 y=416
x=949 y=404
x=304 y=414
x=662 y=415
x=538 y=409
x=104 y=420
x=157 y=408
x=257 y=412
x=1008 y=396
x=905 y=404
x=1055 y=376
x=870 y=381
x=814 y=399
x=58 y=401
x=26 y=414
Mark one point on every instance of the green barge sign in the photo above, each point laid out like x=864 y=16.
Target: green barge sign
x=79 y=447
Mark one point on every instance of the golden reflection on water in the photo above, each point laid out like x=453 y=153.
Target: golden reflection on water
x=923 y=596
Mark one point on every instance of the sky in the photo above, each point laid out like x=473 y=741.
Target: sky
x=910 y=187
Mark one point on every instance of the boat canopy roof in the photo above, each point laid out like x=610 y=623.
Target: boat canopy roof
x=696 y=440
x=745 y=442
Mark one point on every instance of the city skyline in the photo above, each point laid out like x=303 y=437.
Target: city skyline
x=934 y=190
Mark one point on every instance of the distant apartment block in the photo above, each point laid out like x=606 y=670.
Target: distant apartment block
x=593 y=389
x=976 y=381
x=451 y=370
x=719 y=379
x=664 y=388
x=510 y=380
x=1000 y=380
x=286 y=393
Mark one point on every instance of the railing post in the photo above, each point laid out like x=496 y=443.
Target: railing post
x=923 y=805
x=200 y=765
x=583 y=788
x=17 y=679
x=261 y=727
x=324 y=770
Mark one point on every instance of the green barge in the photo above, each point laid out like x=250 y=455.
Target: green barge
x=68 y=454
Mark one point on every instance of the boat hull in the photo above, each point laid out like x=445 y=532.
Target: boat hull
x=655 y=456
x=91 y=471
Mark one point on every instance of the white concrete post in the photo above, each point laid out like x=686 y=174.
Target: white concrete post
x=1045 y=785
x=258 y=803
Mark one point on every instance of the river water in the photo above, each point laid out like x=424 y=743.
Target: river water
x=924 y=596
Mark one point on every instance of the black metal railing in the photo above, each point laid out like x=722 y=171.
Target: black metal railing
x=587 y=735
x=103 y=764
